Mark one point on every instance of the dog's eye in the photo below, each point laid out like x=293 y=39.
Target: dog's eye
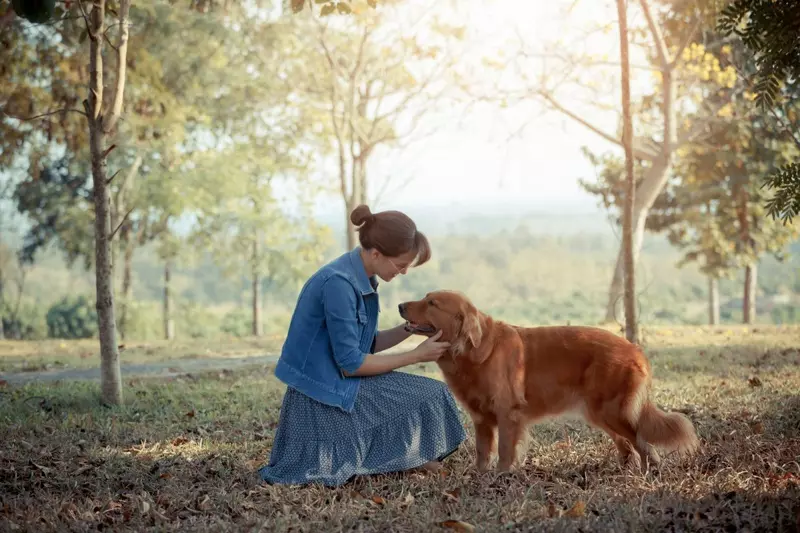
x=430 y=302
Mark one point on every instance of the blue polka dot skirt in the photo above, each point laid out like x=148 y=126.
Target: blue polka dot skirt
x=400 y=421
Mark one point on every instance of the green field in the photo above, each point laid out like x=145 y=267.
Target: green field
x=182 y=454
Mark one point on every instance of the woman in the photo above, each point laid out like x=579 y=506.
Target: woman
x=345 y=411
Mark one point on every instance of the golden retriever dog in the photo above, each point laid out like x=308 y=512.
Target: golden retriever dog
x=508 y=377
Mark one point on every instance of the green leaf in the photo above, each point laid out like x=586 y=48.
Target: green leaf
x=327 y=9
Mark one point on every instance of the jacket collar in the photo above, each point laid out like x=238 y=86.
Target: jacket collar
x=365 y=284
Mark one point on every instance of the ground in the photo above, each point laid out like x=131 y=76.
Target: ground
x=183 y=452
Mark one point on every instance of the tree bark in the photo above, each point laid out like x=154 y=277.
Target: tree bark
x=631 y=330
x=256 y=291
x=352 y=237
x=121 y=212
x=127 y=286
x=644 y=198
x=713 y=301
x=111 y=380
x=169 y=323
x=749 y=299
x=99 y=126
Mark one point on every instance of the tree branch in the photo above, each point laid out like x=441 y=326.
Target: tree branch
x=637 y=151
x=49 y=113
x=686 y=41
x=121 y=222
x=658 y=38
x=110 y=120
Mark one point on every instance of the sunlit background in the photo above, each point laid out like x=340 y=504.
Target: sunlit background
x=494 y=169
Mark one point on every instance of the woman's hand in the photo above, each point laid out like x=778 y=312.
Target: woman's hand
x=431 y=349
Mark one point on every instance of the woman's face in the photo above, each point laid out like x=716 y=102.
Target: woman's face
x=388 y=267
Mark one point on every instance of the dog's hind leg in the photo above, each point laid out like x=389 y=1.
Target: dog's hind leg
x=628 y=456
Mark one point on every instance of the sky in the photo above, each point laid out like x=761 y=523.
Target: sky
x=538 y=169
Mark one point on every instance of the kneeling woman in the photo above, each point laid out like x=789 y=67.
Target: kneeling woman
x=346 y=412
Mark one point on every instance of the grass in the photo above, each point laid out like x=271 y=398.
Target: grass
x=52 y=354
x=182 y=454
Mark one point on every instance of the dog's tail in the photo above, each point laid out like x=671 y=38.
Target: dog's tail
x=670 y=431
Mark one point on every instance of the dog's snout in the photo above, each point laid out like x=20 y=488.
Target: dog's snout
x=401 y=308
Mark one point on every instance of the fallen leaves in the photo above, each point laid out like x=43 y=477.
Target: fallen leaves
x=458 y=525
x=754 y=381
x=179 y=441
x=452 y=495
x=577 y=510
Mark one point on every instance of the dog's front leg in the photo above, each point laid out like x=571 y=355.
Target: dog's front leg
x=485 y=436
x=510 y=430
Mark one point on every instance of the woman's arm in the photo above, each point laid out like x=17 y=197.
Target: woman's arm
x=389 y=338
x=428 y=350
x=380 y=364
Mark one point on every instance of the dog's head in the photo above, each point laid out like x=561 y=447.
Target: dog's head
x=448 y=311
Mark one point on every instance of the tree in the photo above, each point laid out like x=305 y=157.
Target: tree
x=374 y=82
x=712 y=206
x=631 y=332
x=247 y=230
x=102 y=117
x=771 y=31
x=662 y=133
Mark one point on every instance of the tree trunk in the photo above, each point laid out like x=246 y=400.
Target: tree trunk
x=631 y=331
x=713 y=301
x=256 y=291
x=120 y=214
x=127 y=287
x=99 y=125
x=749 y=299
x=350 y=230
x=169 y=323
x=111 y=380
x=646 y=194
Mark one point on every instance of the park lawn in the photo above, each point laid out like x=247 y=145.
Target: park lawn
x=682 y=343
x=57 y=354
x=182 y=454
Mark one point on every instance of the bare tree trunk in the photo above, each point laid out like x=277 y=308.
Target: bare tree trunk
x=99 y=125
x=749 y=299
x=121 y=212
x=127 y=286
x=644 y=198
x=256 y=291
x=713 y=301
x=350 y=230
x=631 y=330
x=169 y=323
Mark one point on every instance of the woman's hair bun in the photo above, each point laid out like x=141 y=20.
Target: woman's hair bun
x=361 y=215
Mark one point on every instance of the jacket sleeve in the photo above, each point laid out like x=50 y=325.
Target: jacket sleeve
x=339 y=303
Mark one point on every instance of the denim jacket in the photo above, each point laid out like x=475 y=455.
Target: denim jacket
x=333 y=328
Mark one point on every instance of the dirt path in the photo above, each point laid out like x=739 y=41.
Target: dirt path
x=159 y=369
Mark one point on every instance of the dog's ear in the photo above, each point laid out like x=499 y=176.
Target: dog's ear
x=471 y=328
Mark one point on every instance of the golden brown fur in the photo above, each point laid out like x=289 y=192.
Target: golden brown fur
x=508 y=377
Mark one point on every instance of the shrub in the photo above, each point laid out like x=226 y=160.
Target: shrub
x=72 y=318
